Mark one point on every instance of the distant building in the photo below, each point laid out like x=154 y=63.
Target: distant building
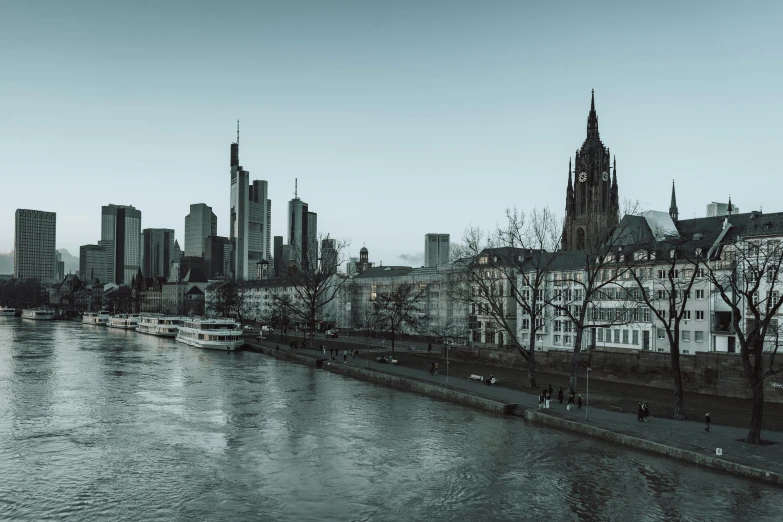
x=200 y=223
x=436 y=250
x=259 y=223
x=278 y=256
x=217 y=257
x=158 y=248
x=121 y=224
x=302 y=233
x=92 y=263
x=59 y=267
x=329 y=259
x=715 y=209
x=35 y=233
x=363 y=263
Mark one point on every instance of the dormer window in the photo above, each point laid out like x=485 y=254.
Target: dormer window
x=698 y=252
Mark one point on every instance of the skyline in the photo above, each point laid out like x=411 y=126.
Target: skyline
x=390 y=104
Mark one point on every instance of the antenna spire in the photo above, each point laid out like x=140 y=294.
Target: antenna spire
x=296 y=188
x=237 y=132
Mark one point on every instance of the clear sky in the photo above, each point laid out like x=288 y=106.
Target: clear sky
x=398 y=118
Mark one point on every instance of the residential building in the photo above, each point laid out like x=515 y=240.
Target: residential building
x=200 y=223
x=158 y=248
x=436 y=250
x=173 y=294
x=121 y=225
x=35 y=233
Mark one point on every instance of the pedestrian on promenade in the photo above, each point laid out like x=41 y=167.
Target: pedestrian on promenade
x=646 y=411
x=323 y=348
x=707 y=420
x=548 y=399
x=639 y=413
x=560 y=395
x=429 y=347
x=579 y=402
x=277 y=347
x=541 y=401
x=345 y=356
x=431 y=367
x=436 y=368
x=550 y=390
x=570 y=402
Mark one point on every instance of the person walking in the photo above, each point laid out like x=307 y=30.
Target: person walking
x=436 y=368
x=323 y=348
x=570 y=402
x=345 y=356
x=548 y=399
x=707 y=420
x=431 y=368
x=560 y=395
x=639 y=413
x=550 y=390
x=645 y=411
x=541 y=401
x=579 y=402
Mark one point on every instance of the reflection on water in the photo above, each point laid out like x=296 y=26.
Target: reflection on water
x=101 y=424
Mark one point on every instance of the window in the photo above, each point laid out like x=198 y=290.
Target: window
x=600 y=334
x=567 y=340
x=557 y=326
x=699 y=315
x=660 y=295
x=686 y=314
x=662 y=314
x=635 y=337
x=617 y=335
x=699 y=294
x=557 y=339
x=608 y=333
x=698 y=336
x=646 y=315
x=625 y=336
x=526 y=324
x=661 y=334
x=686 y=335
x=661 y=274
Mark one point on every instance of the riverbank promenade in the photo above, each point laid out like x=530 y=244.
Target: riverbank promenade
x=686 y=435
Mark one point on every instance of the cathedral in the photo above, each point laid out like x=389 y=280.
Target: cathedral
x=592 y=201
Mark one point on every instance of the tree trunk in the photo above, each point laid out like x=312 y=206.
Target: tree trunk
x=531 y=361
x=575 y=358
x=679 y=393
x=393 y=336
x=754 y=435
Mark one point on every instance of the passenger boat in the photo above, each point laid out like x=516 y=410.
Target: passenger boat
x=124 y=321
x=212 y=334
x=6 y=311
x=162 y=326
x=96 y=318
x=39 y=314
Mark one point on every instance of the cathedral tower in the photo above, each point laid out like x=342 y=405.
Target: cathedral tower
x=592 y=199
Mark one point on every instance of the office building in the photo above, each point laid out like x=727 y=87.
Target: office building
x=217 y=257
x=121 y=225
x=158 y=248
x=199 y=225
x=329 y=259
x=259 y=223
x=92 y=263
x=436 y=250
x=35 y=233
x=302 y=233
x=715 y=209
x=278 y=256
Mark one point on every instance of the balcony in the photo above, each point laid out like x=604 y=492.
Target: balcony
x=721 y=323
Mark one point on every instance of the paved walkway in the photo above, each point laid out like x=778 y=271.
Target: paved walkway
x=689 y=435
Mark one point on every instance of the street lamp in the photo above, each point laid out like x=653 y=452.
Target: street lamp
x=587 y=401
x=446 y=343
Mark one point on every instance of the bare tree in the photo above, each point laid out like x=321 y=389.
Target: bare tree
x=370 y=321
x=746 y=275
x=315 y=281
x=230 y=300
x=505 y=272
x=400 y=309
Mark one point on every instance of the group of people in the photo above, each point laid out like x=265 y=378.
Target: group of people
x=642 y=412
x=545 y=398
x=433 y=368
x=334 y=353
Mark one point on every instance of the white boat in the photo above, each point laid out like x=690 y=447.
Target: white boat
x=39 y=314
x=212 y=334
x=124 y=321
x=6 y=311
x=96 y=318
x=162 y=326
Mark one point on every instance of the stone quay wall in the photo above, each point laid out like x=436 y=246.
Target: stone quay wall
x=717 y=374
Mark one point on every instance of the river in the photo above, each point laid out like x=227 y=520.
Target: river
x=103 y=424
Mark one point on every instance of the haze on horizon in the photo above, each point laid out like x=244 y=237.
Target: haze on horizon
x=397 y=118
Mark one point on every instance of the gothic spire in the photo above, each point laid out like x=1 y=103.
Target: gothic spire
x=730 y=208
x=673 y=213
x=569 y=191
x=592 y=118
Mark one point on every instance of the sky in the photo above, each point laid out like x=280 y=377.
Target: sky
x=397 y=118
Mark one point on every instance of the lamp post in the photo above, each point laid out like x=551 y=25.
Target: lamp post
x=587 y=399
x=446 y=343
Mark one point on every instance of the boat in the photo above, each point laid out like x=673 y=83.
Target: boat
x=96 y=318
x=39 y=314
x=162 y=326
x=211 y=334
x=124 y=321
x=6 y=311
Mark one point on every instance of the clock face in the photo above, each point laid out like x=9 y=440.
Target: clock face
x=605 y=176
x=583 y=177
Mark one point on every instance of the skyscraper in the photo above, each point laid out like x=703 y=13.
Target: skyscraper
x=92 y=263
x=302 y=233
x=278 y=256
x=121 y=225
x=259 y=224
x=199 y=225
x=436 y=250
x=35 y=233
x=329 y=261
x=217 y=254
x=158 y=248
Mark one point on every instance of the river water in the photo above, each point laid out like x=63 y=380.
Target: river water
x=101 y=424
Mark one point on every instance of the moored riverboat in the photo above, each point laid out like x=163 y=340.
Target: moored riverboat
x=38 y=314
x=124 y=321
x=211 y=334
x=6 y=311
x=96 y=318
x=160 y=325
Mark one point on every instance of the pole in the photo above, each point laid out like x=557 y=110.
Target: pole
x=447 y=362
x=587 y=399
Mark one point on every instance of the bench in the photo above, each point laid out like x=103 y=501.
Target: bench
x=475 y=377
x=618 y=409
